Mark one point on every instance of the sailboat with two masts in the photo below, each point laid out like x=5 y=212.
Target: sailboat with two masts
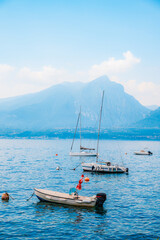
x=83 y=151
x=102 y=167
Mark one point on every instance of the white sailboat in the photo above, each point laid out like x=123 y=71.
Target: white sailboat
x=86 y=152
x=102 y=167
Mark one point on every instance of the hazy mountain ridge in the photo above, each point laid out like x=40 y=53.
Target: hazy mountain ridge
x=151 y=121
x=58 y=106
x=152 y=107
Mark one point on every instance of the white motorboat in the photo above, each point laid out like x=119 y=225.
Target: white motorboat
x=72 y=199
x=102 y=167
x=142 y=152
x=84 y=152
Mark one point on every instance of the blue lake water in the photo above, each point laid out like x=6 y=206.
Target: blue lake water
x=132 y=208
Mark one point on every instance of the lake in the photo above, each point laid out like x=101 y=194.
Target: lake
x=132 y=208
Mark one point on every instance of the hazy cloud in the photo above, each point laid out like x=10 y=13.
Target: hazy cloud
x=48 y=74
x=22 y=81
x=113 y=66
x=145 y=92
x=4 y=68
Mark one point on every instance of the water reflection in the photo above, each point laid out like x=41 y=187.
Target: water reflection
x=101 y=210
x=78 y=219
x=44 y=207
x=51 y=206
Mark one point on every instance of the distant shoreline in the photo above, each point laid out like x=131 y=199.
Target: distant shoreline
x=106 y=134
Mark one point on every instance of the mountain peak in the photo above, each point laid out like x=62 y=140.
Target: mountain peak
x=104 y=83
x=103 y=78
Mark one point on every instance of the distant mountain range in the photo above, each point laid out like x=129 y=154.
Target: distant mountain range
x=152 y=120
x=59 y=105
x=153 y=107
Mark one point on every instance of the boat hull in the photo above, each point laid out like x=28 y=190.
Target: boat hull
x=63 y=198
x=142 y=153
x=102 y=168
x=83 y=154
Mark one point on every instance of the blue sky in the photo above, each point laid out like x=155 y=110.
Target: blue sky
x=47 y=42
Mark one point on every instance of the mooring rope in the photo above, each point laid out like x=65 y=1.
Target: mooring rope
x=76 y=167
x=11 y=196
x=30 y=197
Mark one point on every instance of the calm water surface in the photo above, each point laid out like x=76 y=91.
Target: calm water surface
x=132 y=209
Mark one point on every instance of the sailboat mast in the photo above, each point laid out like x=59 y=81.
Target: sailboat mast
x=99 y=125
x=75 y=131
x=80 y=127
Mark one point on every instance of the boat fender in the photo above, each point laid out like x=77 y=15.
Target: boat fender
x=86 y=179
x=100 y=199
x=5 y=196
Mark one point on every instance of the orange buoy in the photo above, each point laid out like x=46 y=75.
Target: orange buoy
x=126 y=153
x=86 y=179
x=5 y=196
x=56 y=154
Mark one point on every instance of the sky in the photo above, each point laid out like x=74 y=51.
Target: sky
x=43 y=43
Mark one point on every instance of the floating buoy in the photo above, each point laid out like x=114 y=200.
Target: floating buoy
x=5 y=196
x=58 y=168
x=126 y=153
x=86 y=179
x=56 y=154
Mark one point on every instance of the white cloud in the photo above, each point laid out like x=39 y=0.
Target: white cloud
x=4 y=68
x=14 y=81
x=48 y=74
x=113 y=66
x=145 y=92
x=6 y=72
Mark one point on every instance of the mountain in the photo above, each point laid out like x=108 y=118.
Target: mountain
x=152 y=107
x=151 y=121
x=58 y=107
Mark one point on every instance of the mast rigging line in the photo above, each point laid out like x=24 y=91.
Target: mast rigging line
x=99 y=125
x=75 y=130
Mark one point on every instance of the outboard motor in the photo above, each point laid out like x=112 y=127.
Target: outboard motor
x=150 y=153
x=127 y=170
x=101 y=198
